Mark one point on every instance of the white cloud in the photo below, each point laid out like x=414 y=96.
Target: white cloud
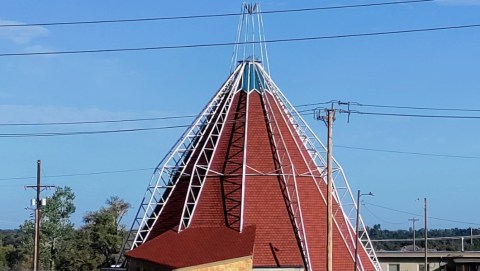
x=459 y=2
x=23 y=34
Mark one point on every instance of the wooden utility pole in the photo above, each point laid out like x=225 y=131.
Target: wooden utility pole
x=413 y=228
x=38 y=206
x=356 y=231
x=331 y=117
x=36 y=256
x=426 y=235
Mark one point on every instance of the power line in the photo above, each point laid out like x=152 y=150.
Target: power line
x=406 y=152
x=381 y=219
x=395 y=210
x=96 y=121
x=131 y=120
x=312 y=104
x=417 y=215
x=296 y=106
x=213 y=15
x=77 y=174
x=409 y=115
x=414 y=108
x=205 y=45
x=302 y=112
x=429 y=238
x=48 y=134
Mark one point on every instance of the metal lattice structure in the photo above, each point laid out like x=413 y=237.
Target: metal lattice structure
x=345 y=213
x=189 y=163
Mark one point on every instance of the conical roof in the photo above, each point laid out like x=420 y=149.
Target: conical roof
x=249 y=160
x=247 y=179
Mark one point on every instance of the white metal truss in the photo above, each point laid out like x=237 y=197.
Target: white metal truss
x=244 y=169
x=288 y=174
x=343 y=196
x=201 y=165
x=250 y=37
x=172 y=168
x=190 y=158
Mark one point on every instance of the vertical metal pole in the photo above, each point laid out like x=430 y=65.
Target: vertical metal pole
x=426 y=236
x=414 y=241
x=36 y=251
x=413 y=228
x=356 y=231
x=331 y=113
x=471 y=237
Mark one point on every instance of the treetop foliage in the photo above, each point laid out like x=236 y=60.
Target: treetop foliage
x=94 y=245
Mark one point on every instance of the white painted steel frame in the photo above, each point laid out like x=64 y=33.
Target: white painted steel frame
x=342 y=192
x=245 y=138
x=197 y=179
x=250 y=24
x=317 y=177
x=250 y=12
x=169 y=171
x=286 y=164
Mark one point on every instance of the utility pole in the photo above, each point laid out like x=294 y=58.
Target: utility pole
x=330 y=120
x=413 y=228
x=471 y=237
x=38 y=203
x=357 y=237
x=426 y=236
x=356 y=230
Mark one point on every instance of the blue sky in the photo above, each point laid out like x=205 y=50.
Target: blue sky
x=429 y=69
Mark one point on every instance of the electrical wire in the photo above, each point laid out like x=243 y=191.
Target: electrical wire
x=96 y=121
x=381 y=219
x=406 y=152
x=429 y=238
x=77 y=174
x=408 y=115
x=417 y=215
x=205 y=45
x=312 y=104
x=131 y=120
x=395 y=210
x=214 y=15
x=414 y=108
x=310 y=111
x=49 y=134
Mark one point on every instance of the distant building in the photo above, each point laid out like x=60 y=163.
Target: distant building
x=437 y=261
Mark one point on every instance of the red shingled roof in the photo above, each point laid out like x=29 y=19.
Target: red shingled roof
x=245 y=148
x=195 y=246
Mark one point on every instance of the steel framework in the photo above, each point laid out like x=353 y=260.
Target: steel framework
x=172 y=168
x=288 y=175
x=345 y=213
x=190 y=158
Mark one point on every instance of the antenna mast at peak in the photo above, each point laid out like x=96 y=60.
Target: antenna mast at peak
x=250 y=41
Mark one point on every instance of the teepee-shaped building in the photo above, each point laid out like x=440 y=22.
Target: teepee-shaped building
x=244 y=188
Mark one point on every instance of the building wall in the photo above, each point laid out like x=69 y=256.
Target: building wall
x=407 y=266
x=238 y=264
x=242 y=264
x=138 y=265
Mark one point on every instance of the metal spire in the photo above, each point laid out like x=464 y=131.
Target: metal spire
x=250 y=41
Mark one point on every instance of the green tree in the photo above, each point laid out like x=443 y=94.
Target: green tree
x=56 y=225
x=105 y=229
x=97 y=243
x=55 y=230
